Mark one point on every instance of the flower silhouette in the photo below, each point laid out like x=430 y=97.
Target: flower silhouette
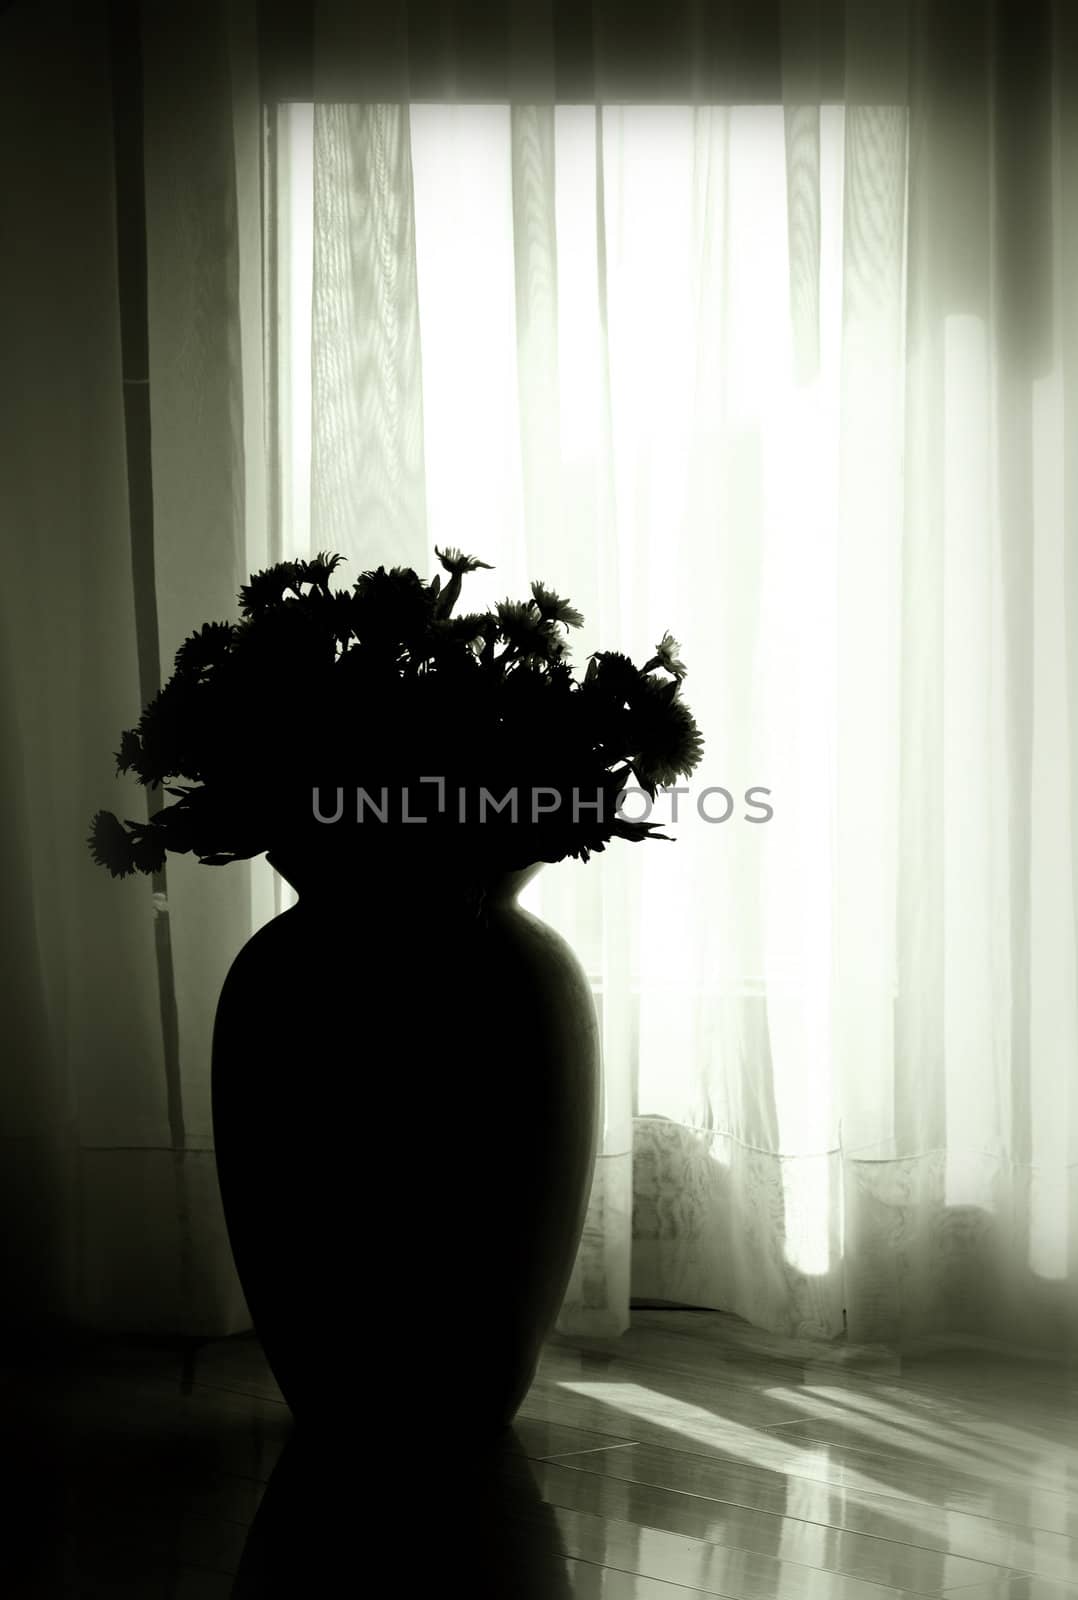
x=666 y=656
x=383 y=688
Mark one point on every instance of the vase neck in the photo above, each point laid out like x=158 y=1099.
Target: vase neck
x=404 y=883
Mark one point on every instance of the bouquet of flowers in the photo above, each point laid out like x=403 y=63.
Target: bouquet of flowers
x=333 y=719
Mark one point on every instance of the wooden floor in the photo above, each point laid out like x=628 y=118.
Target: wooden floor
x=695 y=1456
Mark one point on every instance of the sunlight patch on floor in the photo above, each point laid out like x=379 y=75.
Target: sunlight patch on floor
x=708 y=1428
x=931 y=1435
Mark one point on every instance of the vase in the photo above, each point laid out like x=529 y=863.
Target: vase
x=405 y=1107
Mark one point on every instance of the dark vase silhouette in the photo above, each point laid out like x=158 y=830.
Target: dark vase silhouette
x=405 y=1090
x=405 y=1064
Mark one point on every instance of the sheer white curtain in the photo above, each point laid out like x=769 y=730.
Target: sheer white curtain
x=111 y=1209
x=792 y=378
x=703 y=368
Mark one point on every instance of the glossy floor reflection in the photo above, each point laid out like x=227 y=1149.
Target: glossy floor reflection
x=487 y=1521
x=695 y=1456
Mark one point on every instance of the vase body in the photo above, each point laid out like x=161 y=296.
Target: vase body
x=405 y=1105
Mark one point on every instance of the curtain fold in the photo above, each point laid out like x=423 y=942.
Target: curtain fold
x=84 y=1089
x=112 y=1212
x=367 y=492
x=201 y=165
